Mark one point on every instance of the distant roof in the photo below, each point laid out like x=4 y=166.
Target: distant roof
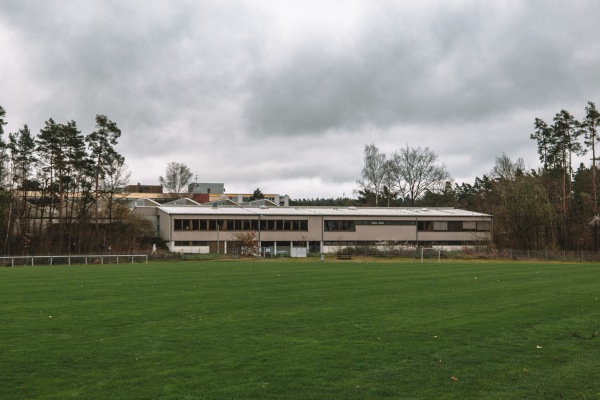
x=182 y=202
x=263 y=202
x=143 y=203
x=162 y=196
x=220 y=202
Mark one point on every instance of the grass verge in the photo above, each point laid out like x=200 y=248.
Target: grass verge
x=300 y=330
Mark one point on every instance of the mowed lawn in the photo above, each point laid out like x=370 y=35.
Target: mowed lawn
x=287 y=329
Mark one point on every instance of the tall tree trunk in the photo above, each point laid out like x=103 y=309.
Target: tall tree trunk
x=594 y=197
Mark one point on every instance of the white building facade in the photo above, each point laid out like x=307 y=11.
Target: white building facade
x=284 y=230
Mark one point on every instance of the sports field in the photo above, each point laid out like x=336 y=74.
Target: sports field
x=287 y=329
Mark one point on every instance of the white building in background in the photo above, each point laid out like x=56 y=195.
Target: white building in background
x=190 y=227
x=215 y=192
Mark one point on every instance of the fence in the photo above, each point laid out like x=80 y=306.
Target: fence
x=423 y=254
x=550 y=255
x=510 y=254
x=429 y=254
x=73 y=259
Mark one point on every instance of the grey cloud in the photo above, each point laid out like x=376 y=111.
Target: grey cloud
x=132 y=58
x=227 y=89
x=458 y=65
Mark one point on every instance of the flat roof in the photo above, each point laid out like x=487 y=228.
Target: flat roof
x=321 y=211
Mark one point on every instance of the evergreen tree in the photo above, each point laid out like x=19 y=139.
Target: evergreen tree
x=23 y=159
x=257 y=195
x=103 y=155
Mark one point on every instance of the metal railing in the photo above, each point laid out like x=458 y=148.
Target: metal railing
x=72 y=259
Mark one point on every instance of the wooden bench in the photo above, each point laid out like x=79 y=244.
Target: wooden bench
x=344 y=256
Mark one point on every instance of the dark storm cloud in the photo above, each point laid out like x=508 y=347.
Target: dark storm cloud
x=447 y=65
x=252 y=92
x=149 y=66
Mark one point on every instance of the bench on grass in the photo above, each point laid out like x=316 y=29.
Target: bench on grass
x=344 y=256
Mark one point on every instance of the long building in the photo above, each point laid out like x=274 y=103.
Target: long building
x=189 y=227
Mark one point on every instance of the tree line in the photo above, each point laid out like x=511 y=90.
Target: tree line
x=554 y=206
x=58 y=190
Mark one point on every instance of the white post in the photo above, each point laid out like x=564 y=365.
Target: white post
x=421 y=255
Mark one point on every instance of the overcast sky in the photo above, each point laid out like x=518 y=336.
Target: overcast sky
x=284 y=95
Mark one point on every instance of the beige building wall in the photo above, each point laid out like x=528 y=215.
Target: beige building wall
x=366 y=231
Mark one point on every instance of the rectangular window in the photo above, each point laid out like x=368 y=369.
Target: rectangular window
x=190 y=243
x=195 y=225
x=425 y=226
x=384 y=222
x=440 y=226
x=469 y=225
x=339 y=226
x=178 y=225
x=455 y=226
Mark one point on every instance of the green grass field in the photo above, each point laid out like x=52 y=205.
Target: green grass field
x=286 y=329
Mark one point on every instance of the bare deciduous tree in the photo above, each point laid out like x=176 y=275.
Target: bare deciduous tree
x=177 y=177
x=416 y=172
x=247 y=242
x=373 y=172
x=506 y=169
x=116 y=176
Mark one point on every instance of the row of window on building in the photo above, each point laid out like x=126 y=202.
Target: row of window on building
x=358 y=243
x=330 y=225
x=424 y=226
x=240 y=225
